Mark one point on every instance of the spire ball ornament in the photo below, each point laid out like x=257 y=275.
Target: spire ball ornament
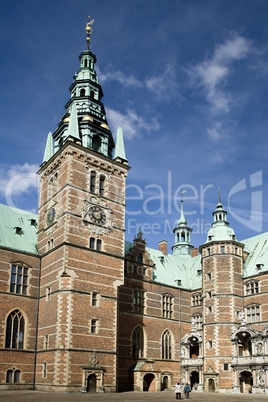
x=89 y=30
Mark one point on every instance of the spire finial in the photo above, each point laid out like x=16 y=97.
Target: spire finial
x=219 y=196
x=89 y=30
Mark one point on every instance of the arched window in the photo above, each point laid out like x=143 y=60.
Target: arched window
x=92 y=93
x=13 y=376
x=15 y=330
x=137 y=342
x=166 y=345
x=92 y=182
x=85 y=64
x=102 y=181
x=82 y=92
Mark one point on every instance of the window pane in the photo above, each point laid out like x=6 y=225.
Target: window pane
x=9 y=375
x=17 y=376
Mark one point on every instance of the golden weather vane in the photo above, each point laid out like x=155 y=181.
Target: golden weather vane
x=89 y=30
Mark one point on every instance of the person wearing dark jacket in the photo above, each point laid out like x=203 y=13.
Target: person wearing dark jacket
x=187 y=391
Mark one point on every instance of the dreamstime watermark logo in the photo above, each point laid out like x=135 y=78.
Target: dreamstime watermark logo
x=155 y=201
x=23 y=183
x=151 y=209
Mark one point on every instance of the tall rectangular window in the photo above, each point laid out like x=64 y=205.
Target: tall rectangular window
x=19 y=279
x=94 y=299
x=253 y=314
x=167 y=306
x=138 y=301
x=93 y=326
x=102 y=181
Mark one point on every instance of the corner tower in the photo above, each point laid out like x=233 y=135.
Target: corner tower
x=222 y=264
x=81 y=239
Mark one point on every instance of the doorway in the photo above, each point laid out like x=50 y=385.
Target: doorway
x=246 y=382
x=194 y=379
x=165 y=382
x=211 y=385
x=91 y=383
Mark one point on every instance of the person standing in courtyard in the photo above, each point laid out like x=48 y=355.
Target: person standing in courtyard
x=187 y=391
x=178 y=390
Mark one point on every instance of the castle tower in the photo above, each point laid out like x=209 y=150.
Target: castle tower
x=182 y=232
x=81 y=239
x=222 y=264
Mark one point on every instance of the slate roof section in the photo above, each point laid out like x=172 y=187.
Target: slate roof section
x=23 y=239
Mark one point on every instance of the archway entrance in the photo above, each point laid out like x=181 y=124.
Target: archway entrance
x=211 y=385
x=165 y=382
x=91 y=383
x=149 y=382
x=194 y=379
x=246 y=382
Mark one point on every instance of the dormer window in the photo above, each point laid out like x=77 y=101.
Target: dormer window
x=18 y=230
x=259 y=266
x=33 y=222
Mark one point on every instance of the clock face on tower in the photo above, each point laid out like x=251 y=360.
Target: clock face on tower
x=96 y=215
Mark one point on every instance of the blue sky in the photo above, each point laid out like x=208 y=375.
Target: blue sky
x=186 y=80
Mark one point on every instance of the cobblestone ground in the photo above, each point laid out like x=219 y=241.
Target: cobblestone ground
x=37 y=396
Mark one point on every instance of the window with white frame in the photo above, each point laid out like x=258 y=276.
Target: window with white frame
x=94 y=299
x=198 y=321
x=253 y=313
x=19 y=279
x=166 y=345
x=197 y=299
x=252 y=287
x=15 y=326
x=13 y=376
x=93 y=326
x=167 y=306
x=138 y=342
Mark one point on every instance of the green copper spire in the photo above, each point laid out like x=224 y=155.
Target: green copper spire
x=182 y=232
x=182 y=220
x=219 y=198
x=87 y=125
x=220 y=229
x=49 y=151
x=119 y=152
x=73 y=130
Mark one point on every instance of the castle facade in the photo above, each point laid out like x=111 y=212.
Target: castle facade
x=82 y=310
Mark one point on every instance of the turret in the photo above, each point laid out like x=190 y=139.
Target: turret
x=182 y=232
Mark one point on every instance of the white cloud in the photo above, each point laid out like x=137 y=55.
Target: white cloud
x=124 y=80
x=164 y=85
x=130 y=122
x=212 y=73
x=18 y=179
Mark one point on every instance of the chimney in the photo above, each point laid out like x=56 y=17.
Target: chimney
x=194 y=252
x=162 y=246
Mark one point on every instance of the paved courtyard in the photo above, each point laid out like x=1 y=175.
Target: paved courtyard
x=37 y=396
